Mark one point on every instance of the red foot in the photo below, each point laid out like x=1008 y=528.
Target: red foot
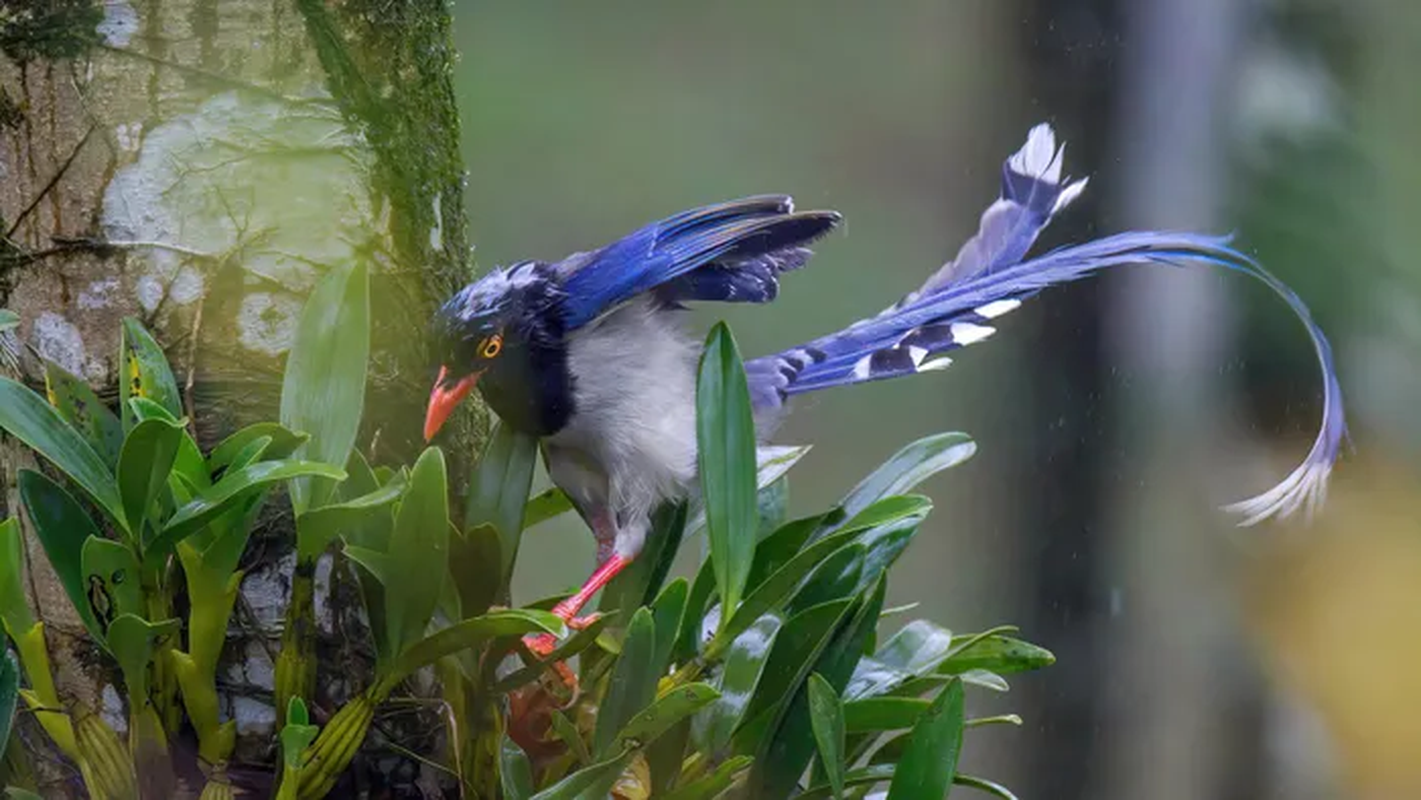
x=543 y=645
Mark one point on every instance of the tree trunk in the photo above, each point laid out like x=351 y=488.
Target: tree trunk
x=199 y=165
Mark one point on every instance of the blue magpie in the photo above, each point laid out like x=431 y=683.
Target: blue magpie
x=588 y=353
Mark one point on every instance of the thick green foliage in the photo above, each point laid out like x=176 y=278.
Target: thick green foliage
x=761 y=675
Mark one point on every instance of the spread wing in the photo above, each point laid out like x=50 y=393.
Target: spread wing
x=728 y=252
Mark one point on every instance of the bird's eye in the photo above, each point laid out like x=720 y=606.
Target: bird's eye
x=490 y=347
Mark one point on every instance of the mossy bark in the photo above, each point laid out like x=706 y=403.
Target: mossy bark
x=198 y=165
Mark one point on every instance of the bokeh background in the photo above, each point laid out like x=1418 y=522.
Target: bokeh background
x=1196 y=660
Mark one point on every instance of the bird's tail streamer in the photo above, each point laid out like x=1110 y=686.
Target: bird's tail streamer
x=990 y=277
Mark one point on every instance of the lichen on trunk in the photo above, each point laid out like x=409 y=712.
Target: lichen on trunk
x=155 y=163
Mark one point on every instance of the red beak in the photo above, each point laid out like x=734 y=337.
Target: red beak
x=442 y=401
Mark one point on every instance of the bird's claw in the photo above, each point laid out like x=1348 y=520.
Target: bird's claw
x=544 y=645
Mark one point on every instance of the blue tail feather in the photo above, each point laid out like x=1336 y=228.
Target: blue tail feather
x=959 y=304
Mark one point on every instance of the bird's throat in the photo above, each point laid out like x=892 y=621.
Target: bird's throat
x=530 y=389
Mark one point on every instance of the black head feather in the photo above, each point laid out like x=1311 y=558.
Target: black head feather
x=527 y=382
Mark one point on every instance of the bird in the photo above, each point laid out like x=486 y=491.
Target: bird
x=591 y=355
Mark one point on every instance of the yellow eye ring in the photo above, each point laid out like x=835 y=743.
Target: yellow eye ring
x=491 y=346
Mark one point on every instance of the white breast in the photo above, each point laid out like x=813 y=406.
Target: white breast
x=634 y=384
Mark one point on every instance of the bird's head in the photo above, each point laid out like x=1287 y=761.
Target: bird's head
x=485 y=327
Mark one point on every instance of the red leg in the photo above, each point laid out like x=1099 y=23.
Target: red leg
x=544 y=643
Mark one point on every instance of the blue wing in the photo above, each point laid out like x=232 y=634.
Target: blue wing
x=728 y=252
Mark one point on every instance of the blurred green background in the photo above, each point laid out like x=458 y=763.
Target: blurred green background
x=1196 y=660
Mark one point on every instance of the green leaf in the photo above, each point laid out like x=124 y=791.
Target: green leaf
x=316 y=528
x=83 y=409
x=983 y=785
x=915 y=650
x=888 y=510
x=30 y=419
x=500 y=488
x=783 y=757
x=419 y=551
x=772 y=506
x=875 y=714
x=15 y=615
x=146 y=373
x=996 y=719
x=882 y=547
x=323 y=388
x=222 y=552
x=772 y=463
x=476 y=567
x=666 y=757
x=9 y=693
x=909 y=467
x=650 y=723
x=796 y=649
x=633 y=682
x=283 y=442
x=713 y=785
x=374 y=562
x=930 y=760
x=570 y=736
x=8 y=319
x=189 y=462
x=234 y=487
x=985 y=679
x=545 y=506
x=473 y=632
x=666 y=612
x=592 y=781
x=688 y=638
x=725 y=437
x=515 y=773
x=996 y=653
x=835 y=577
x=297 y=734
x=133 y=641
x=777 y=589
x=778 y=548
x=745 y=661
x=113 y=582
x=826 y=716
x=372 y=531
x=864 y=776
x=63 y=527
x=143 y=466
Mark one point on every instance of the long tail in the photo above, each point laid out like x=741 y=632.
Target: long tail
x=988 y=278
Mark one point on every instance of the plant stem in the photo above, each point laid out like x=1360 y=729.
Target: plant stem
x=296 y=663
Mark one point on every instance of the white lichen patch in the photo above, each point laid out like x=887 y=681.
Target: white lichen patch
x=181 y=286
x=254 y=718
x=119 y=24
x=56 y=339
x=279 y=188
x=129 y=136
x=321 y=594
x=150 y=292
x=436 y=233
x=265 y=589
x=254 y=669
x=112 y=712
x=267 y=323
x=98 y=294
